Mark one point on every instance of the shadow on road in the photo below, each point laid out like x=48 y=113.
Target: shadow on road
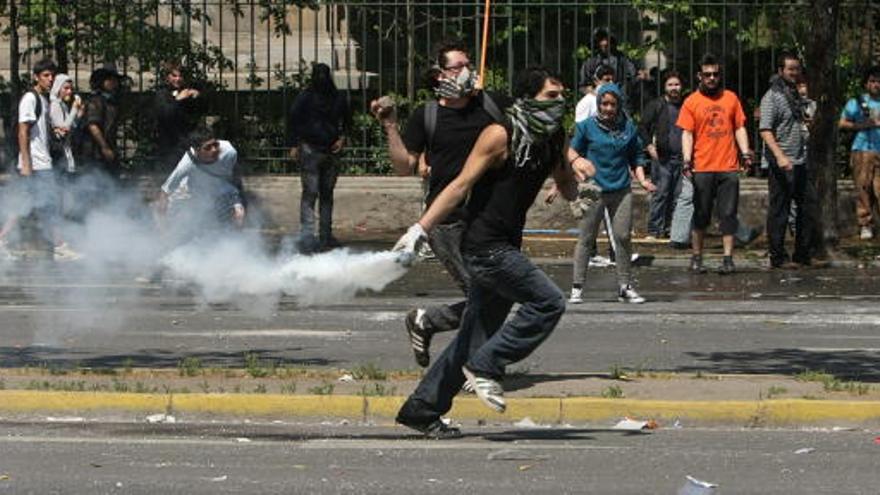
x=853 y=365
x=66 y=359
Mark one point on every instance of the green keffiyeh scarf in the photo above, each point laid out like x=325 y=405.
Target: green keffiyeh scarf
x=533 y=122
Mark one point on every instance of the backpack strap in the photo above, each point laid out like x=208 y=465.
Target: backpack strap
x=430 y=122
x=492 y=109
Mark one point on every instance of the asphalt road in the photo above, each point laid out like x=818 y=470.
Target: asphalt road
x=753 y=322
x=102 y=458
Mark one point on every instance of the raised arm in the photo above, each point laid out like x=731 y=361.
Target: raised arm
x=402 y=160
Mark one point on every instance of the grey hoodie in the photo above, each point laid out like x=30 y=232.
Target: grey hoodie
x=60 y=116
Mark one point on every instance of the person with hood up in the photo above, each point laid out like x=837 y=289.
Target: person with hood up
x=609 y=143
x=319 y=119
x=66 y=111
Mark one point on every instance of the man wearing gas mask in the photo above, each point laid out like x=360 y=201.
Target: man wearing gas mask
x=437 y=140
x=502 y=176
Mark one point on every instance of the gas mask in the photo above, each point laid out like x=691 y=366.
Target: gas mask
x=460 y=86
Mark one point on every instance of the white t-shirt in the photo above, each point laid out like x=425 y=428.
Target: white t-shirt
x=38 y=138
x=586 y=107
x=206 y=181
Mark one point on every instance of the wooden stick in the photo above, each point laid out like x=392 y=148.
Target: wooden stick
x=483 y=48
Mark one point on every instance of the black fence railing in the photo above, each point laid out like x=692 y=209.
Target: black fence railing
x=253 y=56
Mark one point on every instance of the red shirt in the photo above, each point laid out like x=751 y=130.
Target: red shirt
x=713 y=122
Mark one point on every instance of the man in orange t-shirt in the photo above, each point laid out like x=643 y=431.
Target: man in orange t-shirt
x=713 y=127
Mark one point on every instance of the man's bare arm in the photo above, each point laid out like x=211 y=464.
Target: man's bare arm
x=489 y=151
x=24 y=148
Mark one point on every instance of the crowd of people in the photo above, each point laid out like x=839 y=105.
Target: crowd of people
x=488 y=156
x=485 y=158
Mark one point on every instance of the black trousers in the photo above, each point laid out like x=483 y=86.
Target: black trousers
x=786 y=186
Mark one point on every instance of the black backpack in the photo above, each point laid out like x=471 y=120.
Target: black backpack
x=432 y=106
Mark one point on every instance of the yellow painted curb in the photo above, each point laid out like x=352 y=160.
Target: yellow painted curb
x=542 y=410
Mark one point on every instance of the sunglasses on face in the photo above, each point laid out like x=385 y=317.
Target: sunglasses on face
x=709 y=75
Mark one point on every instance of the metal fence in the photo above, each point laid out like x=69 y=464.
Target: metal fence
x=254 y=56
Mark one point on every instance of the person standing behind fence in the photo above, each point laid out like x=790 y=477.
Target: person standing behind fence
x=100 y=151
x=605 y=52
x=782 y=129
x=66 y=111
x=318 y=120
x=713 y=127
x=662 y=140
x=862 y=114
x=177 y=110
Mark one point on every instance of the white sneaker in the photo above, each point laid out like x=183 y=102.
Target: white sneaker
x=577 y=296
x=627 y=294
x=488 y=390
x=600 y=262
x=63 y=252
x=866 y=233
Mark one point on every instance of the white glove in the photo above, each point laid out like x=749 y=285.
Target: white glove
x=412 y=240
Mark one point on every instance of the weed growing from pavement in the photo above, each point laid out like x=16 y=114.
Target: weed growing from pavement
x=377 y=390
x=205 y=387
x=773 y=391
x=368 y=371
x=2 y=385
x=613 y=392
x=120 y=386
x=323 y=389
x=256 y=368
x=830 y=383
x=189 y=366
x=260 y=389
x=617 y=373
x=127 y=365
x=288 y=388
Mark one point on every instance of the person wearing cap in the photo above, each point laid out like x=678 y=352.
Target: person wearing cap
x=99 y=149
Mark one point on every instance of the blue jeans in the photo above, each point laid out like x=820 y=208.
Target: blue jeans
x=665 y=175
x=486 y=343
x=445 y=241
x=318 y=177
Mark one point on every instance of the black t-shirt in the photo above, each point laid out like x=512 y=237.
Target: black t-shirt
x=501 y=198
x=455 y=134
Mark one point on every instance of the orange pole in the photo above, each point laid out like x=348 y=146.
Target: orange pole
x=486 y=13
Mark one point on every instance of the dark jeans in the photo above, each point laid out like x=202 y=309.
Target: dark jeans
x=486 y=343
x=665 y=175
x=722 y=187
x=318 y=177
x=785 y=186
x=445 y=241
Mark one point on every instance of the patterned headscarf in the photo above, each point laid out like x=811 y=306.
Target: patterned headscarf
x=533 y=122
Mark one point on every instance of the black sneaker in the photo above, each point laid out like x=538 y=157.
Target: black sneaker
x=419 y=339
x=436 y=429
x=727 y=267
x=697 y=264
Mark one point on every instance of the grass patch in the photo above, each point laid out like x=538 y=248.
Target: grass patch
x=257 y=368
x=831 y=383
x=775 y=391
x=323 y=389
x=617 y=373
x=288 y=388
x=189 y=366
x=613 y=392
x=377 y=390
x=369 y=371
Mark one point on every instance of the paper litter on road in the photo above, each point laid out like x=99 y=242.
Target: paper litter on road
x=805 y=450
x=694 y=486
x=219 y=478
x=161 y=418
x=346 y=378
x=243 y=440
x=65 y=419
x=526 y=423
x=629 y=424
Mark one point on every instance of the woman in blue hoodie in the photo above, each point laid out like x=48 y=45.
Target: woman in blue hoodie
x=609 y=145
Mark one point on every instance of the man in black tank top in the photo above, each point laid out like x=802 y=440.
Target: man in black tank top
x=502 y=176
x=442 y=132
